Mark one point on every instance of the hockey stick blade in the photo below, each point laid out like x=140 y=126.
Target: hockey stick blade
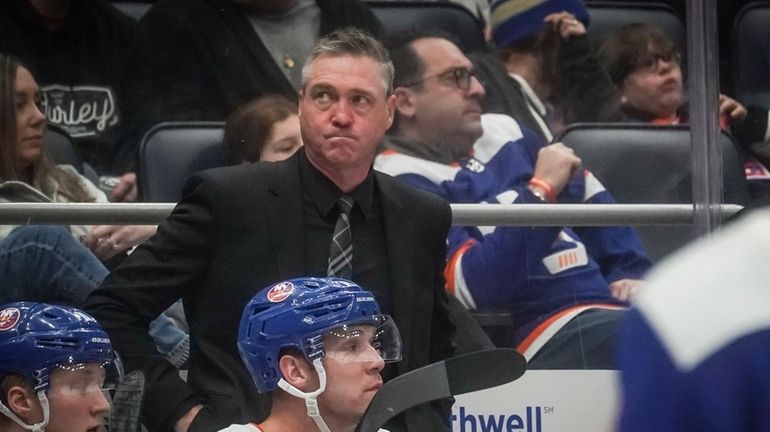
x=463 y=374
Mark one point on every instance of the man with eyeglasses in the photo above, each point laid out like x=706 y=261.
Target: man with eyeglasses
x=567 y=288
x=55 y=365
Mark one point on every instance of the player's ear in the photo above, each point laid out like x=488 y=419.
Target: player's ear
x=22 y=401
x=298 y=372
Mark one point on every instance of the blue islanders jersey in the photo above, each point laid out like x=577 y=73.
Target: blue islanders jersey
x=535 y=271
x=694 y=351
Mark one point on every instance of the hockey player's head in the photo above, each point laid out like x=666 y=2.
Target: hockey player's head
x=55 y=363
x=319 y=338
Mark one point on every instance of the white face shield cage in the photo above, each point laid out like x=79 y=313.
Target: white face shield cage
x=74 y=379
x=83 y=379
x=375 y=339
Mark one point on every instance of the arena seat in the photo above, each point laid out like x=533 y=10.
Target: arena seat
x=751 y=54
x=61 y=148
x=171 y=151
x=399 y=17
x=608 y=16
x=647 y=164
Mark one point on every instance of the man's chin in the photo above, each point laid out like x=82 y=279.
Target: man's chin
x=473 y=133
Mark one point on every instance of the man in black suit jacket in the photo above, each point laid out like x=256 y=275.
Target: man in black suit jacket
x=242 y=228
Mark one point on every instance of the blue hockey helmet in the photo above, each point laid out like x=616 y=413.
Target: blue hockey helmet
x=36 y=338
x=301 y=314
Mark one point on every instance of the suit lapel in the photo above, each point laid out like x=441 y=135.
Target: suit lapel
x=284 y=215
x=400 y=263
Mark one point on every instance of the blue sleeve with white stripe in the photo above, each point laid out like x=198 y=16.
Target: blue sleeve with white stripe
x=729 y=391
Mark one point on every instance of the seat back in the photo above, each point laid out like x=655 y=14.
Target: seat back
x=751 y=54
x=608 y=16
x=61 y=148
x=399 y=17
x=647 y=164
x=172 y=151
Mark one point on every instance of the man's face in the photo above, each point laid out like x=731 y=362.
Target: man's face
x=77 y=401
x=445 y=111
x=353 y=369
x=344 y=112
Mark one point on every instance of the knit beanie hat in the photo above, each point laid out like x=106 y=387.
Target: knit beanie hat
x=514 y=20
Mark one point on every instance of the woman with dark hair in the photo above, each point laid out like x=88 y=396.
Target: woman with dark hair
x=37 y=263
x=264 y=129
x=28 y=174
x=48 y=263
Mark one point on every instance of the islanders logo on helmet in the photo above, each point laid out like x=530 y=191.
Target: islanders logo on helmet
x=307 y=310
x=38 y=337
x=9 y=317
x=280 y=292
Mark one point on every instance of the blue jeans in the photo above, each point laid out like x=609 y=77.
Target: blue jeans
x=47 y=264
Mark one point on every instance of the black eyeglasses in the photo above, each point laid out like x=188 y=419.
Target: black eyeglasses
x=461 y=76
x=651 y=61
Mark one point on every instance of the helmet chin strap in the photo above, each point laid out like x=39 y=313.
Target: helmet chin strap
x=310 y=398
x=38 y=427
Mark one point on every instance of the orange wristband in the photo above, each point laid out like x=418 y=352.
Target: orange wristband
x=548 y=189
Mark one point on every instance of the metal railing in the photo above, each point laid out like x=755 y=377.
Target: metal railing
x=463 y=214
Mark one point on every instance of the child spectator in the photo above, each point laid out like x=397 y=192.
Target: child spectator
x=646 y=67
x=265 y=129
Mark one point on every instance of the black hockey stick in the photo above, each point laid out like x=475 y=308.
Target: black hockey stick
x=455 y=376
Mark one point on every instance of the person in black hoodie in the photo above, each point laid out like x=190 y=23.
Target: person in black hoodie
x=76 y=50
x=201 y=59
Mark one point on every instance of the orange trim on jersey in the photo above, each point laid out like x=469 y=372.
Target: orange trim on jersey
x=543 y=326
x=449 y=270
x=665 y=121
x=389 y=152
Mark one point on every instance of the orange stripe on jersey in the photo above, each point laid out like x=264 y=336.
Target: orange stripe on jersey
x=449 y=270
x=389 y=152
x=543 y=326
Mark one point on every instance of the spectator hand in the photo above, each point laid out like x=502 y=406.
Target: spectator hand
x=556 y=164
x=733 y=109
x=126 y=190
x=625 y=289
x=106 y=241
x=565 y=24
x=186 y=420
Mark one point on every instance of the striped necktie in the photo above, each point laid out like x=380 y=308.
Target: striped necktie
x=341 y=250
